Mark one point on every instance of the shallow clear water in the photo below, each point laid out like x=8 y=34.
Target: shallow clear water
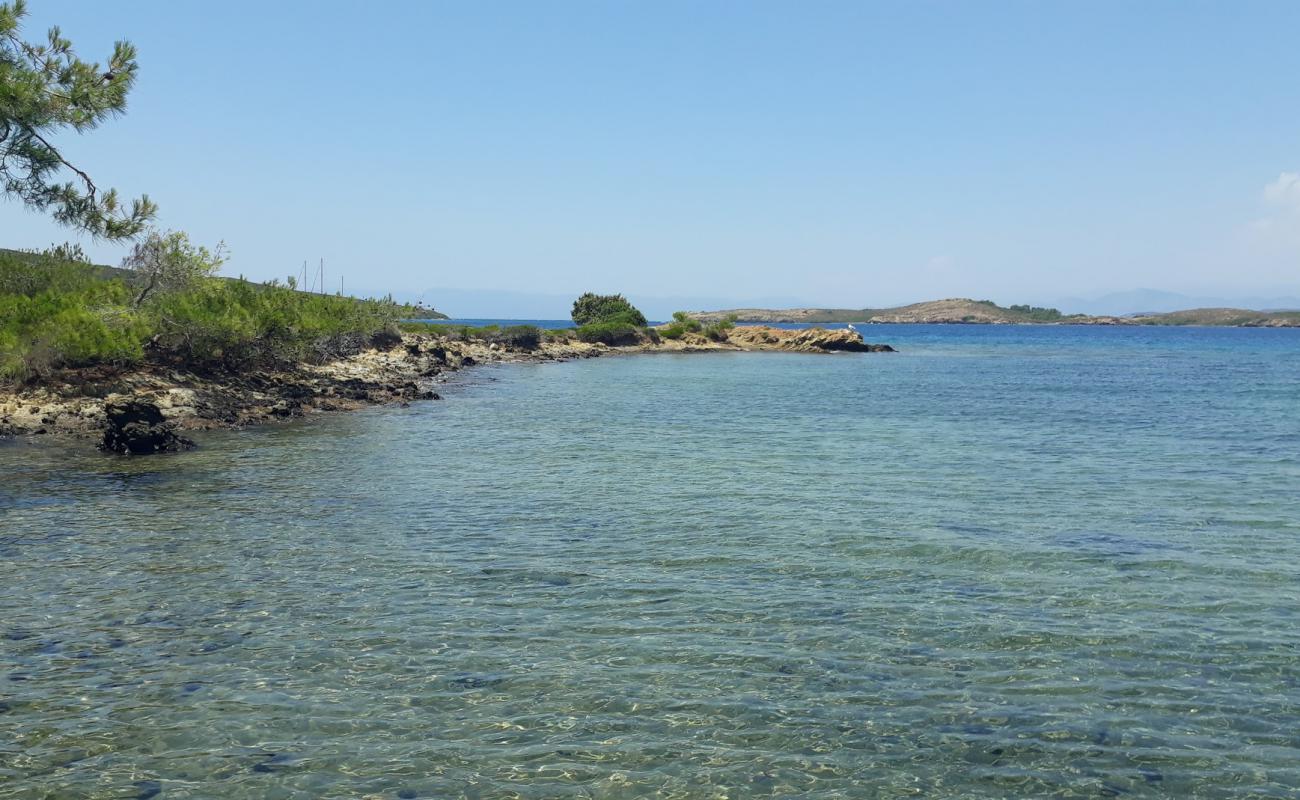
x=1005 y=562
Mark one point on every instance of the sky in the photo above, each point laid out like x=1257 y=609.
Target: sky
x=506 y=156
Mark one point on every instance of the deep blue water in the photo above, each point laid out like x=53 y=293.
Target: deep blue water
x=1004 y=562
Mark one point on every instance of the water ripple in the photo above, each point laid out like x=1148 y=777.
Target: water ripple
x=1041 y=563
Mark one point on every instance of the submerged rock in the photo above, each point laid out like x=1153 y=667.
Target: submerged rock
x=137 y=426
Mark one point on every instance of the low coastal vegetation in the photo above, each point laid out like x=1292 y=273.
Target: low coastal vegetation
x=518 y=337
x=718 y=329
x=610 y=320
x=681 y=325
x=598 y=319
x=167 y=307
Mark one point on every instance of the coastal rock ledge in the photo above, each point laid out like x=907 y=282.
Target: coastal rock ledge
x=150 y=408
x=810 y=340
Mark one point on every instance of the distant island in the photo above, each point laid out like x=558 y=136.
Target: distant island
x=959 y=311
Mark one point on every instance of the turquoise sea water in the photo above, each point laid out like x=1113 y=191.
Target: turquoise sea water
x=1004 y=562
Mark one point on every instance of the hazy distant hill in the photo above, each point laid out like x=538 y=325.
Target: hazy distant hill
x=965 y=311
x=951 y=310
x=1230 y=317
x=1153 y=301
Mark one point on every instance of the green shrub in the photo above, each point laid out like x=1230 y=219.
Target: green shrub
x=596 y=308
x=680 y=326
x=43 y=333
x=632 y=318
x=1037 y=313
x=717 y=331
x=453 y=332
x=167 y=262
x=611 y=333
x=520 y=337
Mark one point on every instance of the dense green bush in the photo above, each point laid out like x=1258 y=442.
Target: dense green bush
x=55 y=313
x=49 y=330
x=612 y=308
x=612 y=333
x=680 y=326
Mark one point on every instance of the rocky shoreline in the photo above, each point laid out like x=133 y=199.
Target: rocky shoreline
x=152 y=408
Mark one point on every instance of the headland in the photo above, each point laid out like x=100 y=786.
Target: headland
x=151 y=408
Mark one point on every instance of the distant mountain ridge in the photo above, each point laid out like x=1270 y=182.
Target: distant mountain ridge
x=986 y=312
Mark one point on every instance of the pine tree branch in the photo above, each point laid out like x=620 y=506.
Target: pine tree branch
x=91 y=189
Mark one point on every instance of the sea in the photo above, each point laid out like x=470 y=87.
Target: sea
x=1005 y=561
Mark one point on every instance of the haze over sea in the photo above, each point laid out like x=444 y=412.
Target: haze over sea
x=1005 y=561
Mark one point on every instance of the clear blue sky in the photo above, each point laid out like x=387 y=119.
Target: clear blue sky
x=840 y=153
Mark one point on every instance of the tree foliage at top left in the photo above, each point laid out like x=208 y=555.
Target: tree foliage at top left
x=46 y=89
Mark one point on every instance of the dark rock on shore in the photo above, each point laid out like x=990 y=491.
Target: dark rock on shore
x=859 y=347
x=138 y=427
